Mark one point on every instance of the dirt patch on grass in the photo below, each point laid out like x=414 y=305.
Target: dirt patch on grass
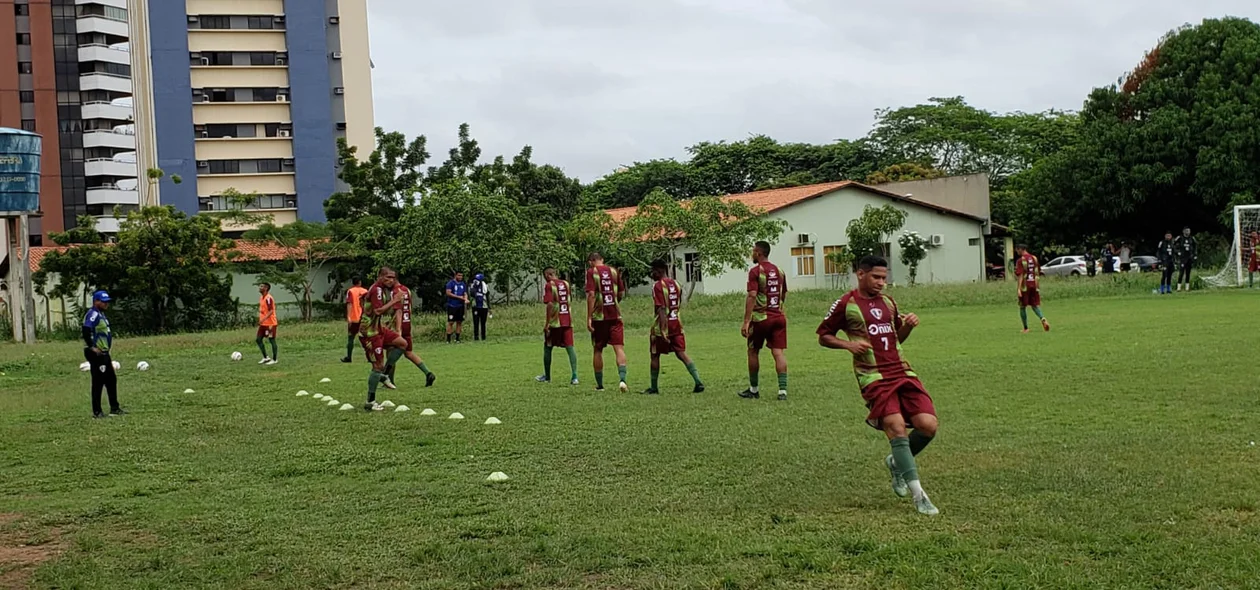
x=22 y=550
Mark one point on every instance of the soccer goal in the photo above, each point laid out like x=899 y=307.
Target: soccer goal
x=1245 y=247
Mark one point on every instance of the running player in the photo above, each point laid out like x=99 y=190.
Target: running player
x=354 y=314
x=266 y=324
x=1028 y=269
x=401 y=301
x=667 y=330
x=558 y=331
x=379 y=336
x=764 y=322
x=603 y=317
x=867 y=324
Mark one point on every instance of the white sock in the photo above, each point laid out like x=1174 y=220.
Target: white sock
x=753 y=389
x=916 y=489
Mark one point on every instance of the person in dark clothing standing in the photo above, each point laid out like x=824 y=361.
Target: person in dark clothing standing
x=1187 y=251
x=98 y=339
x=1109 y=259
x=480 y=294
x=1167 y=254
x=1091 y=263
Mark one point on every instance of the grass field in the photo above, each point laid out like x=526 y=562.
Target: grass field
x=1112 y=452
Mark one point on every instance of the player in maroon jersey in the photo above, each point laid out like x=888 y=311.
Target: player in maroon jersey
x=867 y=324
x=667 y=331
x=603 y=317
x=379 y=336
x=765 y=325
x=1028 y=271
x=401 y=301
x=558 y=330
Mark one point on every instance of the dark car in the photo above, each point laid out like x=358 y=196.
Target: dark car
x=1146 y=263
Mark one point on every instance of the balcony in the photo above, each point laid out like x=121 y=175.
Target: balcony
x=100 y=24
x=107 y=167
x=112 y=195
x=102 y=81
x=104 y=53
x=107 y=224
x=114 y=3
x=107 y=111
x=109 y=139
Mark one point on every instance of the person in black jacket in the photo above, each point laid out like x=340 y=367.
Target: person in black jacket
x=479 y=293
x=1167 y=254
x=1187 y=250
x=98 y=339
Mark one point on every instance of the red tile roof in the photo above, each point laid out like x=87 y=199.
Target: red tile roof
x=248 y=250
x=768 y=201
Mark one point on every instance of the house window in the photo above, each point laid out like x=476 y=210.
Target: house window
x=23 y=38
x=26 y=96
x=973 y=241
x=28 y=125
x=691 y=266
x=22 y=10
x=804 y=257
x=830 y=268
x=24 y=67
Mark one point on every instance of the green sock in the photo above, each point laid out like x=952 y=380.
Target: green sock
x=1040 y=316
x=782 y=381
x=373 y=380
x=621 y=373
x=572 y=362
x=1023 y=316
x=424 y=369
x=695 y=374
x=547 y=362
x=349 y=346
x=599 y=379
x=261 y=348
x=656 y=376
x=390 y=370
x=274 y=356
x=918 y=441
x=392 y=357
x=903 y=459
x=753 y=378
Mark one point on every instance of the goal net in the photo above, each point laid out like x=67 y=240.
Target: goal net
x=1243 y=251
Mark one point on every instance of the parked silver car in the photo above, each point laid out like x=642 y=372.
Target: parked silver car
x=1064 y=266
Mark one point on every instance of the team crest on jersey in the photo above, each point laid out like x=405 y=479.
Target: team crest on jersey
x=877 y=313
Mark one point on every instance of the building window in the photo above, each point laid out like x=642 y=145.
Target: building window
x=24 y=67
x=262 y=22
x=28 y=124
x=691 y=266
x=225 y=166
x=830 y=268
x=804 y=257
x=22 y=9
x=265 y=94
x=216 y=22
x=26 y=96
x=109 y=12
x=262 y=58
x=23 y=38
x=268 y=166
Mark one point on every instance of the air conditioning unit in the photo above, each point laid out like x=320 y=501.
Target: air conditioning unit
x=282 y=98
x=278 y=19
x=336 y=55
x=333 y=20
x=192 y=18
x=203 y=134
x=936 y=240
x=287 y=162
x=804 y=240
x=339 y=90
x=286 y=133
x=205 y=61
x=203 y=163
x=205 y=98
x=341 y=126
x=280 y=61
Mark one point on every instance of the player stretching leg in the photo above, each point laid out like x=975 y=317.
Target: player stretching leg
x=873 y=331
x=382 y=343
x=558 y=331
x=1027 y=269
x=667 y=330
x=764 y=321
x=603 y=317
x=401 y=301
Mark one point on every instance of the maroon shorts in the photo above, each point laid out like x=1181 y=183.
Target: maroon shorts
x=768 y=333
x=905 y=396
x=407 y=337
x=672 y=344
x=353 y=327
x=1031 y=297
x=373 y=348
x=608 y=333
x=266 y=331
x=559 y=337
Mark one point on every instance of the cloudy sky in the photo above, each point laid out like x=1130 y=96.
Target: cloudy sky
x=594 y=84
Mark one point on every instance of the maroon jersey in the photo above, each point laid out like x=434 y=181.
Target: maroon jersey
x=604 y=284
x=876 y=321
x=403 y=296
x=375 y=298
x=770 y=285
x=557 y=293
x=1027 y=268
x=666 y=294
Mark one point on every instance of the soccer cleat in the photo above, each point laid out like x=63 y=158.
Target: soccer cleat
x=749 y=394
x=542 y=379
x=429 y=379
x=118 y=412
x=345 y=359
x=373 y=407
x=388 y=383
x=574 y=381
x=650 y=391
x=623 y=387
x=899 y=486
x=271 y=362
x=925 y=506
x=264 y=361
x=1024 y=331
x=599 y=388
x=698 y=389
x=782 y=396
x=99 y=415
x=1045 y=324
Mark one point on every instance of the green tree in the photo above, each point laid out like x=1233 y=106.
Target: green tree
x=869 y=234
x=159 y=270
x=628 y=186
x=903 y=173
x=912 y=249
x=308 y=248
x=381 y=184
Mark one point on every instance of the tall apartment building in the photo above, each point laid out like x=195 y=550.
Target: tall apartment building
x=250 y=95
x=65 y=69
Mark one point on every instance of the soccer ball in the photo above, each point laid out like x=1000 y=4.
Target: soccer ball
x=143 y=366
x=85 y=366
x=236 y=356
x=117 y=365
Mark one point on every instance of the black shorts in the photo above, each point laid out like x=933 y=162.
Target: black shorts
x=455 y=314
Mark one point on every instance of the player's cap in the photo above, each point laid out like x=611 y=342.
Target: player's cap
x=101 y=296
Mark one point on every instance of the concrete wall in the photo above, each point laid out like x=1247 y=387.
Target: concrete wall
x=968 y=194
